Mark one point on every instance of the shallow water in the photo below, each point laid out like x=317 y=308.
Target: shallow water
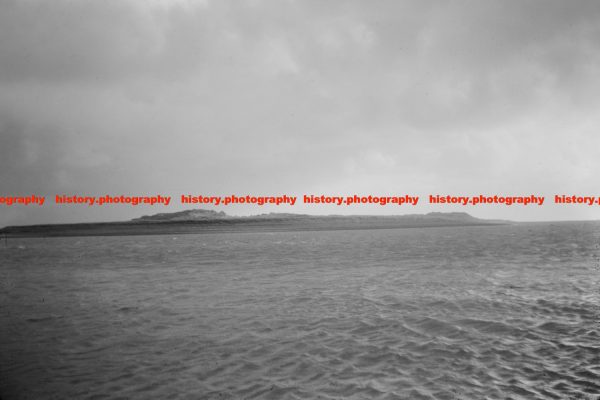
x=505 y=312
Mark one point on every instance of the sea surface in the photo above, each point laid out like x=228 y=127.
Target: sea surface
x=489 y=312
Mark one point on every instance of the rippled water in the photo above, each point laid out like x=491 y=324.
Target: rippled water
x=507 y=312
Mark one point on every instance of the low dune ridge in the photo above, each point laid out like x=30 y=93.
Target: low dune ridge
x=210 y=221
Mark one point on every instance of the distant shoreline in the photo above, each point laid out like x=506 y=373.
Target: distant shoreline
x=264 y=223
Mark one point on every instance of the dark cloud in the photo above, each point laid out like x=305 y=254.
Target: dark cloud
x=271 y=96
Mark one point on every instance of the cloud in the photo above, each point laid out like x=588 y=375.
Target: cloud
x=273 y=96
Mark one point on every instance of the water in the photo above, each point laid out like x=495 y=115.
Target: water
x=507 y=312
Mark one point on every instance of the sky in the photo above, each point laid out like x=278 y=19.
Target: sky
x=146 y=97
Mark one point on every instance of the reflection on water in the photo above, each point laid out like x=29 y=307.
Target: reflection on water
x=449 y=313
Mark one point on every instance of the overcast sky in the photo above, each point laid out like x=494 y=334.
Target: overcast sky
x=321 y=97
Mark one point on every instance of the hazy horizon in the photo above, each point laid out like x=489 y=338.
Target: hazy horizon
x=303 y=214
